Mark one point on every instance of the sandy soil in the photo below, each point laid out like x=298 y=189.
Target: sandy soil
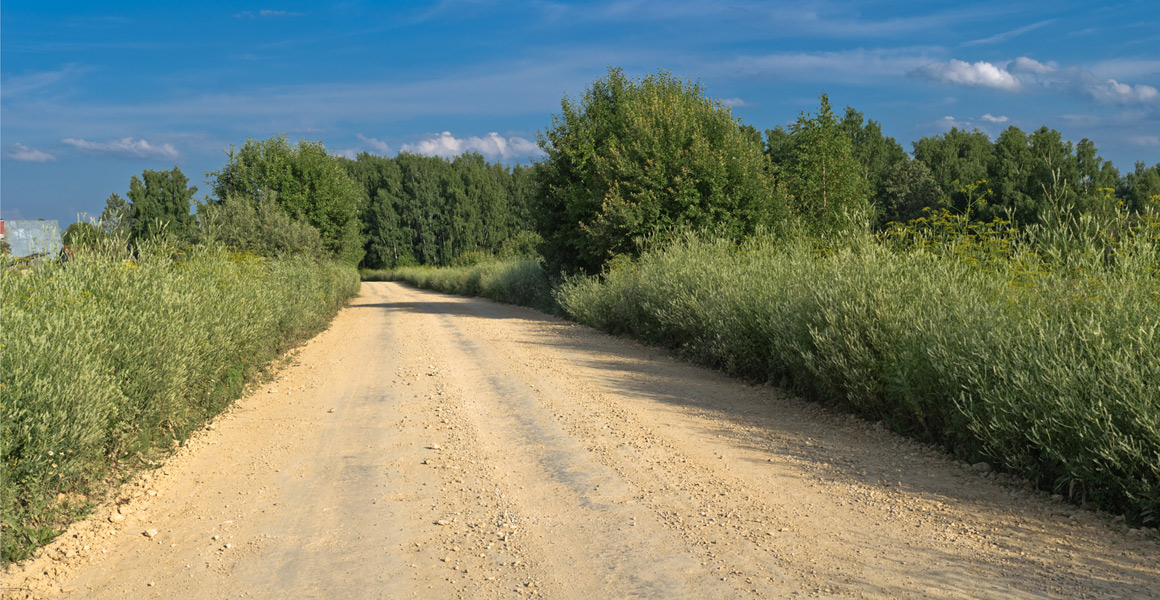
x=428 y=446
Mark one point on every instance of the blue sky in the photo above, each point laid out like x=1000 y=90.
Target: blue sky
x=92 y=93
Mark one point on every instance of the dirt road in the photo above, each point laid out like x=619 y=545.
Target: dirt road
x=428 y=446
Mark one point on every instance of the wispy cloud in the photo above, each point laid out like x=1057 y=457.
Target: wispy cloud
x=492 y=146
x=265 y=14
x=1027 y=73
x=1145 y=140
x=1006 y=35
x=21 y=85
x=25 y=154
x=802 y=19
x=850 y=66
x=378 y=146
x=990 y=118
x=1122 y=68
x=735 y=102
x=124 y=147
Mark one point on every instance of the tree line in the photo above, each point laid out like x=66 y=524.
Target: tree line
x=627 y=163
x=430 y=210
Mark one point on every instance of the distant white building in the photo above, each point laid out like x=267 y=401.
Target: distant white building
x=26 y=238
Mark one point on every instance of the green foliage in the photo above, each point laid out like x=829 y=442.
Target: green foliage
x=635 y=159
x=878 y=156
x=954 y=158
x=829 y=192
x=522 y=245
x=116 y=217
x=1028 y=177
x=260 y=227
x=82 y=234
x=970 y=335
x=307 y=182
x=1140 y=189
x=512 y=281
x=105 y=357
x=907 y=190
x=160 y=202
x=430 y=210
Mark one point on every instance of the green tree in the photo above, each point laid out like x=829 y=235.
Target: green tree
x=260 y=227
x=160 y=202
x=1095 y=173
x=631 y=159
x=779 y=146
x=115 y=218
x=1055 y=171
x=82 y=234
x=306 y=181
x=826 y=184
x=956 y=159
x=909 y=188
x=876 y=153
x=1009 y=178
x=1140 y=189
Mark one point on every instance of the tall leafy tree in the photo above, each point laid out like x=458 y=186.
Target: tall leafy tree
x=877 y=153
x=956 y=159
x=306 y=181
x=160 y=202
x=1140 y=189
x=1009 y=177
x=630 y=159
x=908 y=189
x=115 y=218
x=1055 y=171
x=1095 y=173
x=779 y=146
x=825 y=181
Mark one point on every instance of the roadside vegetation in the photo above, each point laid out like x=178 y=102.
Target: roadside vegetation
x=997 y=298
x=154 y=322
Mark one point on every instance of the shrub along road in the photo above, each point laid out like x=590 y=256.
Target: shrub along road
x=430 y=446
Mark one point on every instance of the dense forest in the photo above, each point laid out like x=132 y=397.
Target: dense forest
x=429 y=210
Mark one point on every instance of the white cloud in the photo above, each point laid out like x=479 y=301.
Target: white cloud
x=492 y=146
x=378 y=146
x=1113 y=92
x=1027 y=73
x=124 y=147
x=1030 y=66
x=948 y=122
x=1145 y=140
x=990 y=118
x=980 y=74
x=735 y=102
x=25 y=154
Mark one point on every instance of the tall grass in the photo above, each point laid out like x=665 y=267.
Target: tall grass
x=105 y=358
x=1039 y=352
x=520 y=281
